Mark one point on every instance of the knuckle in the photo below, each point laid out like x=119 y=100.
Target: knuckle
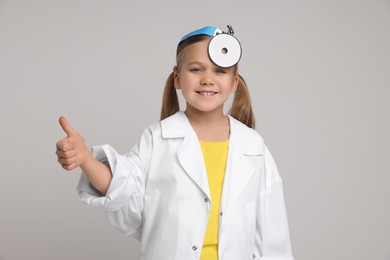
x=68 y=161
x=60 y=145
x=69 y=154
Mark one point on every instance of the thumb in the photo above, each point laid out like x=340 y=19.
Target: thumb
x=67 y=127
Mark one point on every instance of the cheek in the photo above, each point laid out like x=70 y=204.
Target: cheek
x=188 y=81
x=230 y=85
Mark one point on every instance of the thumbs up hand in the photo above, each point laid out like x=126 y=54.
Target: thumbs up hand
x=71 y=151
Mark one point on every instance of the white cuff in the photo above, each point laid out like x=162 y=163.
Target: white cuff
x=121 y=186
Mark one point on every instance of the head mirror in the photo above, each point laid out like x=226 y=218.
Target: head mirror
x=224 y=49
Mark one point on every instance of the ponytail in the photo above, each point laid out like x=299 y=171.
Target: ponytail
x=170 y=102
x=242 y=107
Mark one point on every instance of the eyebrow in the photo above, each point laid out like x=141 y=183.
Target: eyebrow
x=195 y=63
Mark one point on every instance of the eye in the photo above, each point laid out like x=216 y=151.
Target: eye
x=195 y=69
x=221 y=70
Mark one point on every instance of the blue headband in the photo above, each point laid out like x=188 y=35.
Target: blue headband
x=208 y=30
x=224 y=49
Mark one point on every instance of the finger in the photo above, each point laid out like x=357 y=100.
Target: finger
x=67 y=161
x=69 y=167
x=67 y=127
x=66 y=154
x=65 y=144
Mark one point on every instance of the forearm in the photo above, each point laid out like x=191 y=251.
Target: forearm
x=98 y=174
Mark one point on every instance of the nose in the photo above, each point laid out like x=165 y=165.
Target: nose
x=207 y=79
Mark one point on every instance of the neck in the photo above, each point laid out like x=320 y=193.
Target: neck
x=200 y=117
x=209 y=126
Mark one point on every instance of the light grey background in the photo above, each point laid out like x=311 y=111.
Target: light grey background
x=319 y=76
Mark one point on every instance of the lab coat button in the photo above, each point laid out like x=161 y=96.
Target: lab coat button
x=206 y=200
x=194 y=248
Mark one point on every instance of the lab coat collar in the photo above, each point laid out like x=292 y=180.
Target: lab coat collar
x=175 y=126
x=238 y=169
x=178 y=125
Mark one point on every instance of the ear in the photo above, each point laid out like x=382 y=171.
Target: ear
x=176 y=79
x=235 y=83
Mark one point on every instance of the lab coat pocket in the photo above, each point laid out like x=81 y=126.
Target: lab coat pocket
x=251 y=223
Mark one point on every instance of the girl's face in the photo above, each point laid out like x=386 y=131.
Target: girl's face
x=204 y=85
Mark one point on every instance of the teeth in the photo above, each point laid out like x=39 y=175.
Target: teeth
x=206 y=93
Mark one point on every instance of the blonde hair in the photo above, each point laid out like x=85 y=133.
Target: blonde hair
x=241 y=107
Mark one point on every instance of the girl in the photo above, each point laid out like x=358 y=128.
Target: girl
x=199 y=184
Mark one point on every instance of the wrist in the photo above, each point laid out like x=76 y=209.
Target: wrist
x=88 y=160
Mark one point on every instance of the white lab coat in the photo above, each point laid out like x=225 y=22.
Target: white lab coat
x=160 y=195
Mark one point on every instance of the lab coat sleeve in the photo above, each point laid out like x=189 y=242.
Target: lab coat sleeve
x=123 y=183
x=272 y=240
x=123 y=202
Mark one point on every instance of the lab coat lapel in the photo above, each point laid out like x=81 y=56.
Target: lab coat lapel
x=189 y=152
x=237 y=175
x=238 y=169
x=191 y=159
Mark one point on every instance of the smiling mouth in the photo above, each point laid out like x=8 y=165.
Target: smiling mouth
x=207 y=93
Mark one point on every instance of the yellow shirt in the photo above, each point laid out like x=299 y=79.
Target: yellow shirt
x=215 y=156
